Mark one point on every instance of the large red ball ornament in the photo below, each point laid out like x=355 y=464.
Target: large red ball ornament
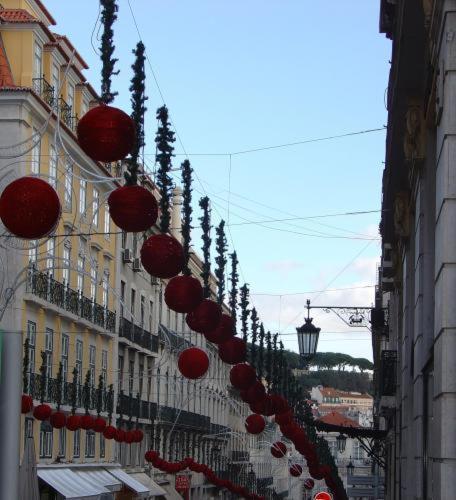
x=26 y=403
x=42 y=412
x=255 y=393
x=57 y=420
x=151 y=456
x=295 y=470
x=268 y=407
x=162 y=256
x=193 y=363
x=119 y=436
x=73 y=422
x=242 y=376
x=183 y=294
x=233 y=351
x=30 y=208
x=223 y=331
x=133 y=208
x=278 y=449
x=87 y=422
x=279 y=403
x=309 y=484
x=138 y=435
x=284 y=418
x=289 y=430
x=205 y=317
x=325 y=470
x=106 y=134
x=255 y=424
x=257 y=407
x=129 y=437
x=99 y=424
x=109 y=432
x=316 y=473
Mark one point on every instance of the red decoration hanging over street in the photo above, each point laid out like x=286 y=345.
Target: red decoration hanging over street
x=295 y=470
x=193 y=363
x=42 y=412
x=183 y=294
x=73 y=422
x=223 y=331
x=109 y=432
x=205 y=317
x=255 y=424
x=233 y=351
x=242 y=376
x=99 y=424
x=57 y=420
x=278 y=449
x=26 y=403
x=162 y=256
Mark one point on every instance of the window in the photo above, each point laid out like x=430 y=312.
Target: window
x=28 y=428
x=124 y=239
x=79 y=360
x=70 y=96
x=50 y=254
x=36 y=152
x=104 y=367
x=92 y=357
x=52 y=166
x=82 y=196
x=93 y=282
x=151 y=316
x=62 y=442
x=131 y=374
x=102 y=446
x=107 y=222
x=38 y=61
x=66 y=261
x=84 y=107
x=48 y=348
x=64 y=358
x=95 y=206
x=141 y=378
x=143 y=309
x=122 y=298
x=31 y=336
x=135 y=245
x=149 y=380
x=333 y=448
x=358 y=452
x=105 y=288
x=90 y=444
x=68 y=195
x=55 y=80
x=76 y=443
x=132 y=304
x=120 y=367
x=45 y=440
x=33 y=251
x=80 y=280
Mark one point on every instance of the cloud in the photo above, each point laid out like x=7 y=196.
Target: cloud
x=283 y=267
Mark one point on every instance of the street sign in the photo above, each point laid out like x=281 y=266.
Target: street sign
x=182 y=483
x=323 y=495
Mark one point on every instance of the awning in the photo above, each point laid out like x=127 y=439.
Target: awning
x=129 y=481
x=171 y=493
x=144 y=479
x=69 y=484
x=99 y=476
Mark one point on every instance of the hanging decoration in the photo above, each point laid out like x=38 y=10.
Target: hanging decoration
x=105 y=133
x=205 y=220
x=278 y=449
x=242 y=376
x=234 y=278
x=87 y=420
x=254 y=394
x=42 y=411
x=30 y=208
x=73 y=422
x=162 y=255
x=309 y=484
x=58 y=418
x=233 y=351
x=255 y=424
x=245 y=311
x=221 y=247
x=205 y=317
x=99 y=423
x=26 y=400
x=254 y=330
x=223 y=332
x=295 y=470
x=193 y=363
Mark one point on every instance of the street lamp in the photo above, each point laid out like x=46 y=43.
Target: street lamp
x=308 y=338
x=341 y=442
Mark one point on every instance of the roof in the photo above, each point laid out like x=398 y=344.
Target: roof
x=17 y=16
x=78 y=56
x=335 y=418
x=329 y=392
x=6 y=77
x=354 y=395
x=41 y=6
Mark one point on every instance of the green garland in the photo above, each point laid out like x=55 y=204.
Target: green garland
x=254 y=329
x=261 y=353
x=269 y=364
x=108 y=16
x=244 y=303
x=186 y=212
x=206 y=228
x=221 y=247
x=234 y=278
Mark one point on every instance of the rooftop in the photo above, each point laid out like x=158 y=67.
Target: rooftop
x=335 y=418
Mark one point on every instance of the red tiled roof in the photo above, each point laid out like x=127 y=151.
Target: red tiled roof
x=335 y=418
x=329 y=392
x=6 y=77
x=46 y=12
x=71 y=47
x=17 y=16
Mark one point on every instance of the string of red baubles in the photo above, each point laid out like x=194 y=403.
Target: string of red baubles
x=87 y=422
x=188 y=463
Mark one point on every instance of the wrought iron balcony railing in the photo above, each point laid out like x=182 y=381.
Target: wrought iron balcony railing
x=388 y=370
x=45 y=90
x=183 y=418
x=51 y=393
x=240 y=456
x=44 y=286
x=129 y=404
x=138 y=335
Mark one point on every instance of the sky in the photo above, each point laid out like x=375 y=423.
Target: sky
x=243 y=75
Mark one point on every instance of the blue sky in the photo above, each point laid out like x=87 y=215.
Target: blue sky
x=245 y=74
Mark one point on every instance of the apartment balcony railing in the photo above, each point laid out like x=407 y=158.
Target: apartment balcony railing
x=184 y=418
x=240 y=456
x=138 y=335
x=44 y=286
x=45 y=90
x=264 y=482
x=51 y=393
x=388 y=369
x=129 y=404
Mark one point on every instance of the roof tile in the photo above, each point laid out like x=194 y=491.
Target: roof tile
x=17 y=16
x=336 y=418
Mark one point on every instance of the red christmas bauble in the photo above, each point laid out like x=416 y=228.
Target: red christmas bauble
x=42 y=412
x=278 y=449
x=205 y=317
x=139 y=435
x=289 y=430
x=119 y=436
x=26 y=403
x=255 y=424
x=300 y=439
x=295 y=470
x=315 y=472
x=233 y=351
x=257 y=407
x=129 y=437
x=30 y=208
x=268 y=406
x=183 y=294
x=224 y=331
x=242 y=376
x=193 y=363
x=109 y=432
x=325 y=470
x=151 y=456
x=57 y=420
x=73 y=422
x=99 y=424
x=106 y=134
x=284 y=418
x=309 y=483
x=279 y=403
x=133 y=208
x=87 y=422
x=255 y=393
x=162 y=256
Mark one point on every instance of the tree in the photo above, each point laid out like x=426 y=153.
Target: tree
x=244 y=303
x=186 y=212
x=254 y=330
x=221 y=247
x=108 y=16
x=234 y=278
x=206 y=237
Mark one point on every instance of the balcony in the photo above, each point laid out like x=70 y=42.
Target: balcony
x=129 y=405
x=388 y=365
x=240 y=456
x=44 y=286
x=51 y=393
x=183 y=418
x=138 y=335
x=45 y=90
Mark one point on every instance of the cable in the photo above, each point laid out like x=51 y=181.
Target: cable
x=312 y=291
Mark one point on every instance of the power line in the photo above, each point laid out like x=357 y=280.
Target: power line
x=313 y=291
